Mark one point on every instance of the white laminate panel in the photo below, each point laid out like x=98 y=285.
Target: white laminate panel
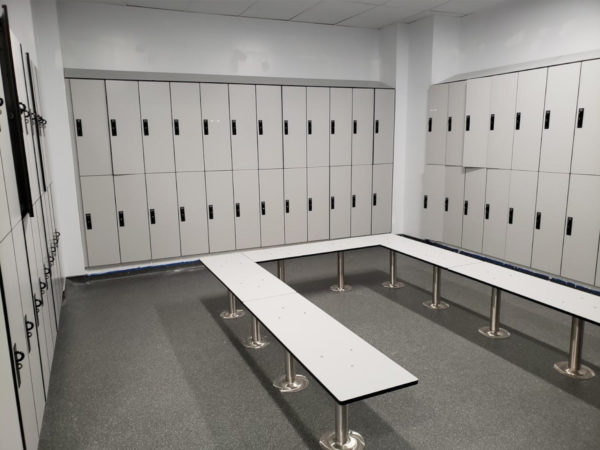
x=270 y=133
x=477 y=119
x=383 y=141
x=214 y=99
x=157 y=130
x=437 y=113
x=340 y=139
x=432 y=219
x=187 y=130
x=317 y=116
x=294 y=126
x=318 y=203
x=164 y=215
x=362 y=126
x=193 y=222
x=586 y=147
x=381 y=220
x=247 y=213
x=456 y=123
x=244 y=145
x=502 y=113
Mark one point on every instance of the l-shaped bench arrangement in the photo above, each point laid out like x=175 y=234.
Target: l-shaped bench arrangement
x=334 y=355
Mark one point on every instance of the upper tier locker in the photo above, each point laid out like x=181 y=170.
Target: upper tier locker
x=318 y=202
x=125 y=127
x=521 y=217
x=317 y=128
x=477 y=122
x=437 y=114
x=381 y=221
x=187 y=132
x=456 y=123
x=294 y=181
x=271 y=207
x=495 y=212
x=294 y=126
x=193 y=224
x=268 y=113
x=473 y=209
x=432 y=220
x=453 y=204
x=88 y=98
x=242 y=110
x=164 y=215
x=214 y=99
x=339 y=201
x=157 y=131
x=559 y=118
x=383 y=141
x=503 y=99
x=340 y=140
x=362 y=126
x=219 y=198
x=8 y=168
x=247 y=217
x=5 y=226
x=132 y=217
x=362 y=184
x=586 y=147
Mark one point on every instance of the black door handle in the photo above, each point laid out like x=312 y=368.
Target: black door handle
x=375 y=199
x=569 y=226
x=492 y=121
x=210 y=212
x=446 y=204
x=466 y=208
x=205 y=127
x=237 y=210
x=176 y=126
x=113 y=127
x=333 y=127
x=79 y=128
x=580 y=118
x=310 y=127
x=332 y=203
x=450 y=123
x=430 y=124
x=518 y=121
x=538 y=220
x=146 y=130
x=425 y=199
x=547 y=120
x=285 y=127
x=353 y=201
x=18 y=358
x=287 y=206
x=152 y=217
x=468 y=123
x=121 y=219
x=234 y=127
x=260 y=127
x=354 y=126
x=487 y=211
x=263 y=208
x=182 y=213
x=511 y=213
x=88 y=221
x=29 y=326
x=377 y=126
x=310 y=204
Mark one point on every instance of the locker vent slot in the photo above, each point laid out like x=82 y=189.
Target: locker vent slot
x=354 y=126
x=121 y=219
x=569 y=226
x=353 y=200
x=487 y=211
x=285 y=127
x=511 y=213
x=429 y=124
x=211 y=215
x=176 y=126
x=466 y=208
x=425 y=202
x=377 y=127
x=468 y=123
x=260 y=127
x=547 y=120
x=113 y=127
x=492 y=121
x=450 y=123
x=152 y=217
x=237 y=210
x=182 y=213
x=332 y=202
x=205 y=127
x=310 y=204
x=518 y=121
x=580 y=118
x=333 y=127
x=234 y=127
x=146 y=131
x=79 y=129
x=310 y=127
x=538 y=220
x=88 y=221
x=446 y=204
x=287 y=206
x=263 y=208
x=375 y=199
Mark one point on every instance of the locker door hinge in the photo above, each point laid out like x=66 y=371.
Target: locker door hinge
x=285 y=127
x=146 y=130
x=518 y=121
x=309 y=204
x=237 y=210
x=487 y=211
x=176 y=126
x=569 y=226
x=29 y=330
x=152 y=217
x=466 y=208
x=354 y=126
x=113 y=127
x=353 y=200
x=310 y=127
x=429 y=124
x=88 y=221
x=449 y=123
x=580 y=118
x=287 y=206
x=547 y=120
x=210 y=212
x=18 y=359
x=79 y=128
x=468 y=123
x=446 y=204
x=205 y=127
x=511 y=213
x=260 y=127
x=333 y=127
x=182 y=213
x=234 y=127
x=263 y=208
x=538 y=220
x=332 y=205
x=374 y=199
x=377 y=126
x=425 y=202
x=492 y=121
x=121 y=219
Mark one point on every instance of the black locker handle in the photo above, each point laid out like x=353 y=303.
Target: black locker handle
x=518 y=121
x=237 y=210
x=205 y=127
x=377 y=126
x=79 y=128
x=430 y=124
x=18 y=358
x=182 y=213
x=487 y=211
x=211 y=215
x=492 y=121
x=547 y=120
x=310 y=127
x=309 y=204
x=285 y=127
x=569 y=226
x=260 y=127
x=152 y=217
x=449 y=123
x=176 y=126
x=263 y=208
x=234 y=127
x=580 y=117
x=121 y=219
x=354 y=126
x=146 y=130
x=29 y=326
x=468 y=123
x=287 y=206
x=446 y=204
x=332 y=203
x=375 y=199
x=538 y=220
x=113 y=127
x=88 y=221
x=353 y=200
x=425 y=202
x=511 y=214
x=466 y=208
x=333 y=127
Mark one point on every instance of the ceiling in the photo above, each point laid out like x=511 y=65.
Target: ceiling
x=353 y=13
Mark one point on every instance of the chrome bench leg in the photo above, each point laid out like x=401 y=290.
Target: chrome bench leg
x=342 y=438
x=340 y=287
x=256 y=340
x=494 y=331
x=281 y=269
x=290 y=381
x=233 y=312
x=573 y=367
x=435 y=303
x=393 y=283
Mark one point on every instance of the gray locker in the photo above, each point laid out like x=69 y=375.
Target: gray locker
x=90 y=122
x=10 y=179
x=437 y=114
x=456 y=123
x=99 y=212
x=559 y=118
x=477 y=121
x=454 y=196
x=496 y=212
x=125 y=127
x=294 y=126
x=268 y=114
x=598 y=271
x=362 y=185
x=317 y=116
x=383 y=141
x=295 y=193
x=551 y=207
x=48 y=295
x=214 y=99
x=340 y=115
x=521 y=217
x=432 y=220
x=318 y=203
x=271 y=207
x=193 y=225
x=247 y=217
x=164 y=215
x=582 y=230
x=503 y=100
x=242 y=110
x=340 y=188
x=219 y=198
x=132 y=217
x=187 y=131
x=363 y=102
x=381 y=220
x=4 y=213
x=473 y=209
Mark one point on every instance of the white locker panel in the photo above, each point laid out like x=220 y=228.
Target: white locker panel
x=99 y=212
x=477 y=122
x=340 y=188
x=271 y=207
x=219 y=198
x=187 y=132
x=90 y=122
x=317 y=116
x=362 y=185
x=383 y=141
x=473 y=209
x=432 y=220
x=340 y=115
x=551 y=208
x=598 y=271
x=157 y=132
x=294 y=126
x=496 y=212
x=582 y=231
x=521 y=217
x=381 y=220
x=503 y=100
x=214 y=99
x=456 y=123
x=268 y=114
x=362 y=126
x=242 y=110
x=559 y=118
x=10 y=178
x=318 y=203
x=295 y=193
x=193 y=225
x=437 y=114
x=164 y=215
x=454 y=181
x=132 y=217
x=125 y=127
x=247 y=214
x=4 y=213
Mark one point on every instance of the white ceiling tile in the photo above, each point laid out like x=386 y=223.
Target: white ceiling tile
x=226 y=7
x=380 y=17
x=466 y=6
x=420 y=5
x=278 y=9
x=332 y=11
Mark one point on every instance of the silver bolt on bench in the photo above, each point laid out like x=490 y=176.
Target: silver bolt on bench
x=233 y=312
x=393 y=282
x=340 y=287
x=494 y=331
x=573 y=367
x=435 y=303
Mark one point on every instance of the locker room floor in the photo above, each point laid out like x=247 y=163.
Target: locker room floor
x=144 y=361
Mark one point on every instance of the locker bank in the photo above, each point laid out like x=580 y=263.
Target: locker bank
x=321 y=224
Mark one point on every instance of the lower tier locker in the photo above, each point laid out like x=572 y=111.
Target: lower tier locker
x=339 y=202
x=521 y=217
x=432 y=220
x=495 y=212
x=219 y=198
x=271 y=207
x=99 y=212
x=132 y=217
x=48 y=296
x=454 y=196
x=294 y=181
x=318 y=203
x=193 y=225
x=4 y=213
x=362 y=185
x=247 y=214
x=381 y=213
x=164 y=215
x=473 y=209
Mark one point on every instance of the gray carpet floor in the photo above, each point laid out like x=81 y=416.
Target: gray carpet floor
x=144 y=362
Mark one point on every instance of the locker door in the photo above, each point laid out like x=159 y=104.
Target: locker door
x=193 y=226
x=340 y=115
x=559 y=118
x=362 y=185
x=477 y=122
x=4 y=213
x=551 y=208
x=340 y=188
x=383 y=152
x=503 y=100
x=164 y=215
x=432 y=225
x=99 y=212
x=8 y=166
x=294 y=126
x=381 y=221
x=242 y=104
x=247 y=217
x=580 y=248
x=268 y=113
x=271 y=207
x=362 y=126
x=47 y=295
x=90 y=122
x=586 y=153
x=598 y=271
x=473 y=209
x=132 y=217
x=456 y=123
x=317 y=139
x=437 y=114
x=521 y=217
x=124 y=126
x=187 y=117
x=453 y=205
x=318 y=203
x=496 y=212
x=294 y=181
x=214 y=99
x=219 y=198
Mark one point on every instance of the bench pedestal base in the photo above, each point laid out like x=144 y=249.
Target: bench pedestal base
x=342 y=438
x=233 y=312
x=583 y=373
x=436 y=303
x=290 y=381
x=256 y=340
x=393 y=282
x=341 y=286
x=494 y=331
x=573 y=367
x=499 y=333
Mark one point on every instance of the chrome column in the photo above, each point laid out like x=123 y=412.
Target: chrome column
x=342 y=438
x=290 y=382
x=494 y=331
x=340 y=287
x=233 y=312
x=573 y=367
x=256 y=340
x=435 y=303
x=393 y=283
